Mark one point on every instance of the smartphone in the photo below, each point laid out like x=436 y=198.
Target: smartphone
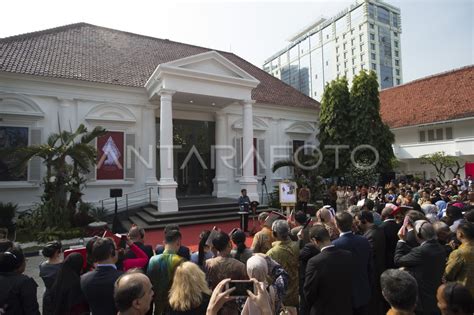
x=307 y=223
x=241 y=287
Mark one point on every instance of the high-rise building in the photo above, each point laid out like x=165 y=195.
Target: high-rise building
x=364 y=36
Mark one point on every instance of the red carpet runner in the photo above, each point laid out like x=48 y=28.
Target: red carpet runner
x=191 y=233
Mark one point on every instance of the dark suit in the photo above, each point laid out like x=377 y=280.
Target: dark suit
x=376 y=238
x=390 y=229
x=306 y=253
x=328 y=284
x=426 y=263
x=98 y=288
x=411 y=239
x=362 y=275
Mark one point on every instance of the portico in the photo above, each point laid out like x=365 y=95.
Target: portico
x=210 y=82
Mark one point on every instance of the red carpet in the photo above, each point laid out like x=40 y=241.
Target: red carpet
x=191 y=233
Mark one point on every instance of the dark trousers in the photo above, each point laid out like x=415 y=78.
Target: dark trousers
x=361 y=310
x=304 y=206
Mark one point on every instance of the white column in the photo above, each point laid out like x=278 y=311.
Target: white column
x=248 y=180
x=220 y=181
x=167 y=201
x=149 y=145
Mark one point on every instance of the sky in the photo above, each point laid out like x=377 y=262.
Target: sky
x=437 y=35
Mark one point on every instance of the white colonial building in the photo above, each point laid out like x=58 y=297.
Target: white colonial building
x=430 y=115
x=147 y=92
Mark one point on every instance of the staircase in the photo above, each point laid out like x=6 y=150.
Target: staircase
x=190 y=212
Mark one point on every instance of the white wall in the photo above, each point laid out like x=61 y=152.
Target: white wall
x=408 y=148
x=125 y=109
x=69 y=102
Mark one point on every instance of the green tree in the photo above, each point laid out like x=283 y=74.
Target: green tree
x=67 y=156
x=335 y=127
x=441 y=162
x=367 y=127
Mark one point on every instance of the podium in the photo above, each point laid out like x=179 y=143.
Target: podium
x=244 y=220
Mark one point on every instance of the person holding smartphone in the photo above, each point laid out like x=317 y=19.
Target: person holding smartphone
x=223 y=266
x=222 y=294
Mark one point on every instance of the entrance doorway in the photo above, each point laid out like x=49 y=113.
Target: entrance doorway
x=192 y=162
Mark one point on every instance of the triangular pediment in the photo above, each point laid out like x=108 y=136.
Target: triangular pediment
x=212 y=66
x=210 y=63
x=208 y=73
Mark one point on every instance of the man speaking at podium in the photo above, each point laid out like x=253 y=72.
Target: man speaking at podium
x=244 y=207
x=244 y=201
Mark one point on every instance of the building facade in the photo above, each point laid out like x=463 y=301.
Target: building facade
x=430 y=115
x=186 y=121
x=365 y=36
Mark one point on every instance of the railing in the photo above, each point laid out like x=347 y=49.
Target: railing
x=128 y=200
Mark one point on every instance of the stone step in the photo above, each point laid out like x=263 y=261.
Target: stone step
x=145 y=220
x=160 y=215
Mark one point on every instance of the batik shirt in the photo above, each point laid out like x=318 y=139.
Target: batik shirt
x=286 y=253
x=160 y=271
x=220 y=268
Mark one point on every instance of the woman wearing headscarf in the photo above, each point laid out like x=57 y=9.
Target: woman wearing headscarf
x=262 y=268
x=66 y=291
x=326 y=216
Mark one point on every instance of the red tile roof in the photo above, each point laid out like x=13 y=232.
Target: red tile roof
x=441 y=97
x=91 y=53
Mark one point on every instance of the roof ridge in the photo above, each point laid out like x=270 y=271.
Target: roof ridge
x=432 y=76
x=42 y=32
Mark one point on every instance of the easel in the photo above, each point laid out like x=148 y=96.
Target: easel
x=288 y=205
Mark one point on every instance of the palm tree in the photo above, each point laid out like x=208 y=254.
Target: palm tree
x=65 y=159
x=304 y=165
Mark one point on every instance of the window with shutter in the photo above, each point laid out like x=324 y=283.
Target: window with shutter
x=422 y=136
x=130 y=156
x=238 y=156
x=439 y=134
x=34 y=167
x=12 y=137
x=261 y=166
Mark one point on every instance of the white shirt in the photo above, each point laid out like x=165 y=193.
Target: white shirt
x=344 y=233
x=326 y=247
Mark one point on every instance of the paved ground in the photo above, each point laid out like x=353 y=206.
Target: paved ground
x=32 y=270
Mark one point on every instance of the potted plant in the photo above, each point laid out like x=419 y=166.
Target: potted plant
x=7 y=215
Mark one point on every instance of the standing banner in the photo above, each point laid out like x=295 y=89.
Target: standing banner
x=110 y=153
x=469 y=169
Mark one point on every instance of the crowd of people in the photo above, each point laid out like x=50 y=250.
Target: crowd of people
x=406 y=248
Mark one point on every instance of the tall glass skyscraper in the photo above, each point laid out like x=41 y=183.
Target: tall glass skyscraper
x=364 y=36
